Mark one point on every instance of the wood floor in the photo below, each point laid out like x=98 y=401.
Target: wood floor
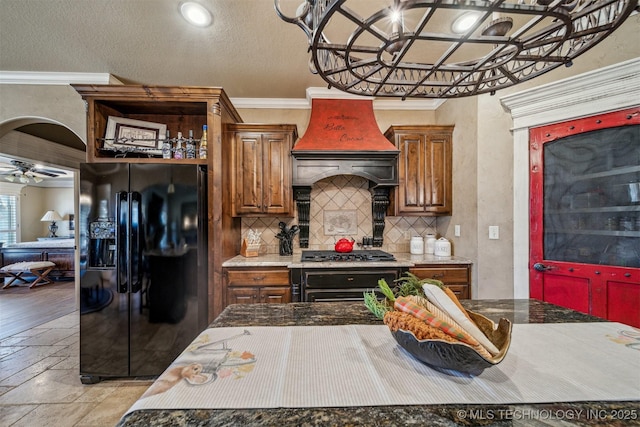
x=22 y=308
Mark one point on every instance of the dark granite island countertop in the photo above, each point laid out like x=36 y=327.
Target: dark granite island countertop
x=302 y=314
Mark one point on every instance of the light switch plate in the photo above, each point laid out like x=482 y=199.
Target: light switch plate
x=456 y=230
x=494 y=232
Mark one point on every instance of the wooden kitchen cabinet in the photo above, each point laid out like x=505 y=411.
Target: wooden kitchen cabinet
x=181 y=109
x=261 y=169
x=456 y=277
x=252 y=286
x=424 y=170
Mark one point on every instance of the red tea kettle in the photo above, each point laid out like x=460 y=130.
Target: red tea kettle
x=344 y=245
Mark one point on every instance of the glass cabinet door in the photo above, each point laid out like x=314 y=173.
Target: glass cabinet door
x=591 y=197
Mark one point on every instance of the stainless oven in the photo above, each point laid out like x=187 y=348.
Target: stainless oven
x=329 y=276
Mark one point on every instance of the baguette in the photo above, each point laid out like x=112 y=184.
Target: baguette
x=442 y=315
x=440 y=299
x=408 y=306
x=449 y=293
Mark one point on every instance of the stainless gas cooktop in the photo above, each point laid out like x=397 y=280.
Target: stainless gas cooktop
x=364 y=255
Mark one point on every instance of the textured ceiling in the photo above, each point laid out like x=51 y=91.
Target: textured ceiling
x=248 y=50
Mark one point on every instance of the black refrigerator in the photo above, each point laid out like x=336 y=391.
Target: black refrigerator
x=143 y=266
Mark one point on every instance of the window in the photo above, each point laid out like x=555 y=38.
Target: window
x=8 y=218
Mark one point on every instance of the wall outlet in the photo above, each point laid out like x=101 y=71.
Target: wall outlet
x=494 y=232
x=456 y=230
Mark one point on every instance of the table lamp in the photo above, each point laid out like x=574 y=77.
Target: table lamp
x=52 y=216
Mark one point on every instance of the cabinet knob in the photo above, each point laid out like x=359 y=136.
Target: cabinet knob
x=570 y=269
x=258 y=278
x=437 y=275
x=597 y=272
x=627 y=274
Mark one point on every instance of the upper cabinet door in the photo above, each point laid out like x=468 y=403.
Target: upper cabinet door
x=261 y=169
x=276 y=174
x=424 y=170
x=247 y=173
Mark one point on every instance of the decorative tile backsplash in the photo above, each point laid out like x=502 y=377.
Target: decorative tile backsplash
x=350 y=194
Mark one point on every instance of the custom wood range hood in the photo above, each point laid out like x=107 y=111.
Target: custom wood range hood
x=343 y=138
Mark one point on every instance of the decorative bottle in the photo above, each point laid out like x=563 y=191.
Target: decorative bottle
x=178 y=152
x=166 y=147
x=191 y=146
x=202 y=153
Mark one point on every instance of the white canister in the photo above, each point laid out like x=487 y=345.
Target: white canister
x=443 y=247
x=429 y=244
x=416 y=245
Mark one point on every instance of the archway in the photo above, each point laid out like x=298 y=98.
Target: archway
x=51 y=143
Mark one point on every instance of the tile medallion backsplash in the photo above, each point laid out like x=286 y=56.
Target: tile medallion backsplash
x=341 y=207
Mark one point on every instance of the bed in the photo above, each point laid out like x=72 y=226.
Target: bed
x=59 y=251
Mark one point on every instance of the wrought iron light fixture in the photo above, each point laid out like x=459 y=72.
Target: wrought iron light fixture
x=408 y=49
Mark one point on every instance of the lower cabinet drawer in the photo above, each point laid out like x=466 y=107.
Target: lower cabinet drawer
x=460 y=291
x=446 y=275
x=455 y=277
x=254 y=295
x=257 y=277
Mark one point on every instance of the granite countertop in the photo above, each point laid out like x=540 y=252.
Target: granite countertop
x=518 y=311
x=293 y=261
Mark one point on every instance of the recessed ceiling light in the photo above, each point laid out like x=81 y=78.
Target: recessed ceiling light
x=196 y=14
x=464 y=22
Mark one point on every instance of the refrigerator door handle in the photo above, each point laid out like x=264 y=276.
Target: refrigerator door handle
x=135 y=234
x=122 y=241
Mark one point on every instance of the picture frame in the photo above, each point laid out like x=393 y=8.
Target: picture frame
x=342 y=222
x=123 y=134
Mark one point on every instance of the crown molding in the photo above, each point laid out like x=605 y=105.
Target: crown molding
x=324 y=93
x=271 y=103
x=378 y=103
x=51 y=78
x=606 y=89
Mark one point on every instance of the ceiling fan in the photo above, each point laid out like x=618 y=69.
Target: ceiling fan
x=25 y=172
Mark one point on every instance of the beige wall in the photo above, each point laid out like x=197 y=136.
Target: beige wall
x=22 y=104
x=496 y=164
x=34 y=202
x=462 y=113
x=483 y=152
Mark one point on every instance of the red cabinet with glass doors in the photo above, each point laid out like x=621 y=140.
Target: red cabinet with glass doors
x=585 y=215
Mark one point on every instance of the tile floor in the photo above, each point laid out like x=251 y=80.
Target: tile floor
x=40 y=384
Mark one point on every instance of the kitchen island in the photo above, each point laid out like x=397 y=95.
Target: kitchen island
x=345 y=313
